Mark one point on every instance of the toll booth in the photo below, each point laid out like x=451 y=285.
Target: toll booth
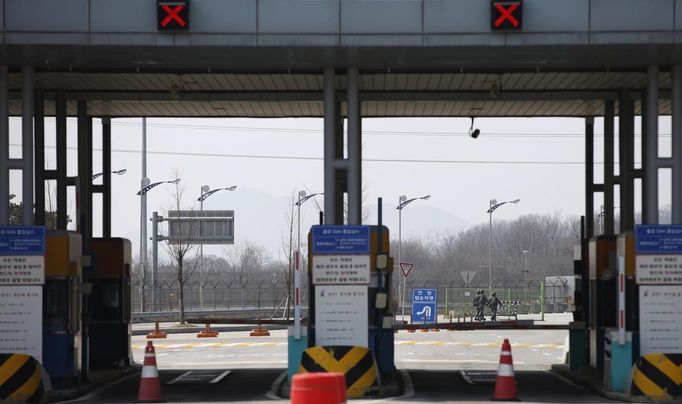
x=62 y=338
x=377 y=310
x=110 y=325
x=603 y=295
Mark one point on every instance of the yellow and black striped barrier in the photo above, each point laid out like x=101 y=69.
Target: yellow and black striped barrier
x=658 y=377
x=355 y=362
x=20 y=379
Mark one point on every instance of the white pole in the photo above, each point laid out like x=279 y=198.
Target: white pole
x=297 y=279
x=143 y=210
x=201 y=252
x=490 y=249
x=400 y=246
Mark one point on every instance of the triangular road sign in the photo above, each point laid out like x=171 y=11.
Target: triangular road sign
x=406 y=268
x=467 y=276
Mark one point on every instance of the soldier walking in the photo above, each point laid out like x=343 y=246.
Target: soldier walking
x=494 y=304
x=482 y=302
x=476 y=305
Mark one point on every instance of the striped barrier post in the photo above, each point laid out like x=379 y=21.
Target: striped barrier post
x=657 y=377
x=354 y=362
x=20 y=379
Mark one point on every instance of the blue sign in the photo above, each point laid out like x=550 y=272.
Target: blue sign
x=340 y=239
x=22 y=240
x=424 y=303
x=658 y=239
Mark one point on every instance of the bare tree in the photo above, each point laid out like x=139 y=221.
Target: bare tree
x=247 y=260
x=179 y=248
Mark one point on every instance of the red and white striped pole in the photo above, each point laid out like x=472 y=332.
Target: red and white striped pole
x=297 y=296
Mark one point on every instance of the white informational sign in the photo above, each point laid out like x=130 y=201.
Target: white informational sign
x=21 y=320
x=341 y=315
x=341 y=270
x=659 y=269
x=660 y=319
x=22 y=270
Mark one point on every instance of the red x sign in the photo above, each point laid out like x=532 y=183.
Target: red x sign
x=507 y=15
x=173 y=15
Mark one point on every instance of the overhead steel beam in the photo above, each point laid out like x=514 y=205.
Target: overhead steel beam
x=283 y=96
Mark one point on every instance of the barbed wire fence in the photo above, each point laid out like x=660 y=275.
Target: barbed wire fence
x=533 y=297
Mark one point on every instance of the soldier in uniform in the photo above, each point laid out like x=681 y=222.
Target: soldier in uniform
x=476 y=305
x=494 y=304
x=482 y=302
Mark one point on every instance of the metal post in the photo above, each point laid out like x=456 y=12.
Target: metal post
x=330 y=122
x=27 y=143
x=297 y=278
x=106 y=178
x=400 y=247
x=490 y=248
x=201 y=250
x=60 y=126
x=4 y=146
x=143 y=211
x=354 y=149
x=589 y=175
x=607 y=219
x=525 y=265
x=677 y=144
x=155 y=258
x=39 y=155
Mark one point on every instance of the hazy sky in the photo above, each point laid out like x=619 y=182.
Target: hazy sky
x=539 y=161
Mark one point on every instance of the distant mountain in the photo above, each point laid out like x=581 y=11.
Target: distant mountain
x=424 y=222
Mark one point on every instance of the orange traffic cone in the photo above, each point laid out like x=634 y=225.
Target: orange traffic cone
x=150 y=387
x=505 y=385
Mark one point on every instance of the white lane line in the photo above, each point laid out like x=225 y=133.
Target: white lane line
x=220 y=377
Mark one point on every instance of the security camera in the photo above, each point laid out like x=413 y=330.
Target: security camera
x=473 y=132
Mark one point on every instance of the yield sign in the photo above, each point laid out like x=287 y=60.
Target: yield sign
x=467 y=276
x=406 y=268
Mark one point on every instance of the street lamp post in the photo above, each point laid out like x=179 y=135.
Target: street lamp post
x=205 y=193
x=117 y=172
x=402 y=202
x=146 y=186
x=493 y=205
x=525 y=264
x=302 y=197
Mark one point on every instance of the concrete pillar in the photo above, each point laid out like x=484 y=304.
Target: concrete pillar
x=677 y=144
x=354 y=149
x=106 y=178
x=330 y=122
x=27 y=143
x=650 y=149
x=589 y=177
x=39 y=154
x=626 y=160
x=609 y=112
x=4 y=145
x=84 y=171
x=60 y=127
x=340 y=174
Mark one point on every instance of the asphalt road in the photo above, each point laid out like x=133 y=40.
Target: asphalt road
x=432 y=364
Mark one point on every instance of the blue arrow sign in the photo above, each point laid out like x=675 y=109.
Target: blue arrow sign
x=424 y=306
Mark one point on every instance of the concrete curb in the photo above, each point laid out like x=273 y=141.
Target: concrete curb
x=590 y=383
x=195 y=330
